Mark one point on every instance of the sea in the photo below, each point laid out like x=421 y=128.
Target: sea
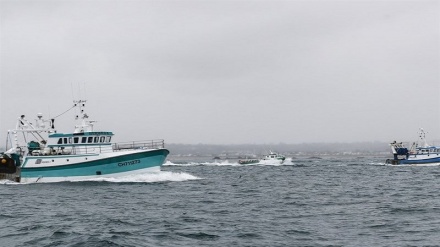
x=306 y=201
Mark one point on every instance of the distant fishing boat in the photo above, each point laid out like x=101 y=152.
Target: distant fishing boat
x=38 y=153
x=274 y=157
x=424 y=154
x=270 y=158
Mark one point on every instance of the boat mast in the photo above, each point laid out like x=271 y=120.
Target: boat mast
x=25 y=126
x=85 y=124
x=422 y=136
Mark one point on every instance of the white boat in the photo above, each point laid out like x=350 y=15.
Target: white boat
x=38 y=153
x=273 y=157
x=417 y=154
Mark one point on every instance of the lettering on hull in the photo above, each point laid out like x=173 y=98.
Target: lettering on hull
x=129 y=163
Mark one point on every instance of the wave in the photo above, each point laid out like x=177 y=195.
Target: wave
x=191 y=163
x=287 y=162
x=152 y=177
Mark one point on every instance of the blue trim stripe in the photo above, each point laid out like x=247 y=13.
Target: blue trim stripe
x=424 y=161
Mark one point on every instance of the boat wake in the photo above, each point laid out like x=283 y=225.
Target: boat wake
x=287 y=162
x=160 y=176
x=214 y=163
x=378 y=164
x=152 y=177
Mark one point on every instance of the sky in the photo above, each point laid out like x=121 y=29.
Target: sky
x=223 y=71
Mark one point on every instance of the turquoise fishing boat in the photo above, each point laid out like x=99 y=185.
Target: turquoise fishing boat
x=38 y=153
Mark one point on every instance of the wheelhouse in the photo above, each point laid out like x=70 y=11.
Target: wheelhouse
x=428 y=150
x=74 y=143
x=80 y=139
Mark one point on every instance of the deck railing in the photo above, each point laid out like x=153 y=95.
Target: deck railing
x=100 y=148
x=151 y=144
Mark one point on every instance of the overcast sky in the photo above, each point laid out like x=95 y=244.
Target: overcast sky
x=226 y=72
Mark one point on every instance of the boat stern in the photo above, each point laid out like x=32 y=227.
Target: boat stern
x=400 y=153
x=10 y=167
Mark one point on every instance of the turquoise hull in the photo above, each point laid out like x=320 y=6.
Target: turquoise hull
x=102 y=167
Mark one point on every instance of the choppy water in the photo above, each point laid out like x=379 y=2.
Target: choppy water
x=308 y=202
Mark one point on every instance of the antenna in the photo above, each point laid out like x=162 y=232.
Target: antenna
x=422 y=136
x=79 y=90
x=85 y=93
x=71 y=89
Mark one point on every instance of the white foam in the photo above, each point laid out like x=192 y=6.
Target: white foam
x=221 y=163
x=153 y=177
x=287 y=162
x=378 y=164
x=5 y=181
x=214 y=163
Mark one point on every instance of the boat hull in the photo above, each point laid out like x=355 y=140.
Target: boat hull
x=271 y=161
x=116 y=165
x=415 y=161
x=248 y=161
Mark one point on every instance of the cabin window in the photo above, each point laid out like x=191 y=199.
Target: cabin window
x=90 y=140
x=70 y=140
x=96 y=139
x=108 y=139
x=75 y=139
x=102 y=139
x=84 y=139
x=60 y=141
x=65 y=140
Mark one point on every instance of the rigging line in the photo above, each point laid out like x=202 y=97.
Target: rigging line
x=24 y=137
x=64 y=112
x=85 y=92
x=71 y=89
x=42 y=139
x=36 y=137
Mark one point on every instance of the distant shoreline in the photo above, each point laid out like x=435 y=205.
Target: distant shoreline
x=294 y=150
x=304 y=149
